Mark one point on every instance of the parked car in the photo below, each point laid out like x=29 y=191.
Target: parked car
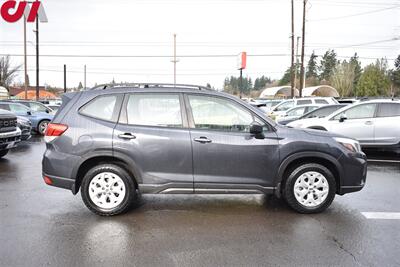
x=113 y=142
x=348 y=100
x=266 y=105
x=39 y=120
x=284 y=106
x=295 y=113
x=53 y=107
x=33 y=105
x=375 y=123
x=10 y=134
x=25 y=126
x=320 y=112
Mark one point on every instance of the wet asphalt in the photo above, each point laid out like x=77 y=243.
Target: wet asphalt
x=47 y=226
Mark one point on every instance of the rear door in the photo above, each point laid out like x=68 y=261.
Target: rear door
x=360 y=123
x=224 y=152
x=387 y=124
x=152 y=132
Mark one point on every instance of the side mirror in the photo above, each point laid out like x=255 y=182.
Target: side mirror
x=29 y=113
x=47 y=111
x=257 y=130
x=343 y=117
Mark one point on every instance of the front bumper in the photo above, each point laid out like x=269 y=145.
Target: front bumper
x=10 y=139
x=354 y=172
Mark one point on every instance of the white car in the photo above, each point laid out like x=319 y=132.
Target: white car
x=295 y=113
x=284 y=106
x=374 y=123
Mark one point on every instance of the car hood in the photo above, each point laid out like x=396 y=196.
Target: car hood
x=300 y=123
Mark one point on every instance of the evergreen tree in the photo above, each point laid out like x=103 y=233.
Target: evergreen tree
x=375 y=80
x=354 y=60
x=285 y=80
x=80 y=86
x=395 y=73
x=312 y=66
x=327 y=65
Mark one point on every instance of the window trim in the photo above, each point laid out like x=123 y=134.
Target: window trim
x=116 y=111
x=379 y=110
x=192 y=125
x=123 y=118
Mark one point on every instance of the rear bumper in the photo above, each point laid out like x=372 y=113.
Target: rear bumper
x=60 y=182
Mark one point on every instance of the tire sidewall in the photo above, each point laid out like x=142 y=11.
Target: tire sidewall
x=290 y=183
x=38 y=128
x=129 y=187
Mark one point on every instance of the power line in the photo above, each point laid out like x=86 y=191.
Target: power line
x=354 y=15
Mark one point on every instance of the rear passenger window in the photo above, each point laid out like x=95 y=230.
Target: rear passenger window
x=101 y=107
x=321 y=101
x=389 y=110
x=162 y=110
x=304 y=102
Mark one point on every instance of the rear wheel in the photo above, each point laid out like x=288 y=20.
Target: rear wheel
x=310 y=188
x=3 y=153
x=42 y=127
x=108 y=190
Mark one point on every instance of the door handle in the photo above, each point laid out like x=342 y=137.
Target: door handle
x=368 y=123
x=127 y=136
x=202 y=140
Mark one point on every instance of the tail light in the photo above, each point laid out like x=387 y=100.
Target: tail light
x=54 y=130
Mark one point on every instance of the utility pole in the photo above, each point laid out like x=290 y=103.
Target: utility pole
x=297 y=60
x=84 y=78
x=65 y=78
x=302 y=49
x=292 y=72
x=25 y=62
x=37 y=58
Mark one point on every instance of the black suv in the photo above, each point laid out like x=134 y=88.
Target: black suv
x=114 y=141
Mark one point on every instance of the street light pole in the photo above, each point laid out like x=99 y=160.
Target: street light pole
x=25 y=62
x=175 y=59
x=37 y=58
x=302 y=49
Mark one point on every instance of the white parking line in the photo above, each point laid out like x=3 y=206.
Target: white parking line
x=382 y=215
x=383 y=160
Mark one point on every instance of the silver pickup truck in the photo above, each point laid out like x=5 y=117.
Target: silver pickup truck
x=10 y=134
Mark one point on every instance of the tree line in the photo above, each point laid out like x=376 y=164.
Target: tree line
x=348 y=77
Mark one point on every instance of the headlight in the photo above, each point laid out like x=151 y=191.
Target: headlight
x=23 y=122
x=349 y=144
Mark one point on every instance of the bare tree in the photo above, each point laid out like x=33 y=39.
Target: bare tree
x=343 y=78
x=7 y=72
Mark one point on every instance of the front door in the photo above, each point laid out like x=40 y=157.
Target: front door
x=359 y=123
x=224 y=151
x=153 y=133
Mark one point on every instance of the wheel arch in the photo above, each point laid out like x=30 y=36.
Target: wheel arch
x=90 y=162
x=297 y=159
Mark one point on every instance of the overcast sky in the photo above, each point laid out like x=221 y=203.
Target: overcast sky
x=203 y=27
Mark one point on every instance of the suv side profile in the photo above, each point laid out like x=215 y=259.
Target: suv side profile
x=112 y=142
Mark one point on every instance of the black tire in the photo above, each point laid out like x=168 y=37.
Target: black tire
x=289 y=194
x=3 y=153
x=130 y=190
x=41 y=129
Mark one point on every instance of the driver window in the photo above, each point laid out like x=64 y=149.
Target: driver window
x=358 y=112
x=215 y=113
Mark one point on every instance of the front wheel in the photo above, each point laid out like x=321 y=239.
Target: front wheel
x=42 y=127
x=108 y=190
x=310 y=188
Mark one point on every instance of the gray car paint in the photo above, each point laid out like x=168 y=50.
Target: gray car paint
x=168 y=160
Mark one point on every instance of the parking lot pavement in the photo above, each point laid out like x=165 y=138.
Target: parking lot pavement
x=41 y=225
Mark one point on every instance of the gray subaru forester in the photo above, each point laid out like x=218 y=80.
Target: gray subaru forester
x=115 y=141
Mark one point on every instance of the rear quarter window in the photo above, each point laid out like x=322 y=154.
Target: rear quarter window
x=389 y=110
x=101 y=107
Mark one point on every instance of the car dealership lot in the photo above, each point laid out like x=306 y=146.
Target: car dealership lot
x=40 y=225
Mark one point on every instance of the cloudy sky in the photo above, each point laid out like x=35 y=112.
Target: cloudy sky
x=132 y=40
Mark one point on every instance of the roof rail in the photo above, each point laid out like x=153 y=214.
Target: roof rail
x=149 y=85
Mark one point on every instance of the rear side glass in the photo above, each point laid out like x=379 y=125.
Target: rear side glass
x=321 y=101
x=304 y=102
x=162 y=110
x=101 y=107
x=389 y=110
